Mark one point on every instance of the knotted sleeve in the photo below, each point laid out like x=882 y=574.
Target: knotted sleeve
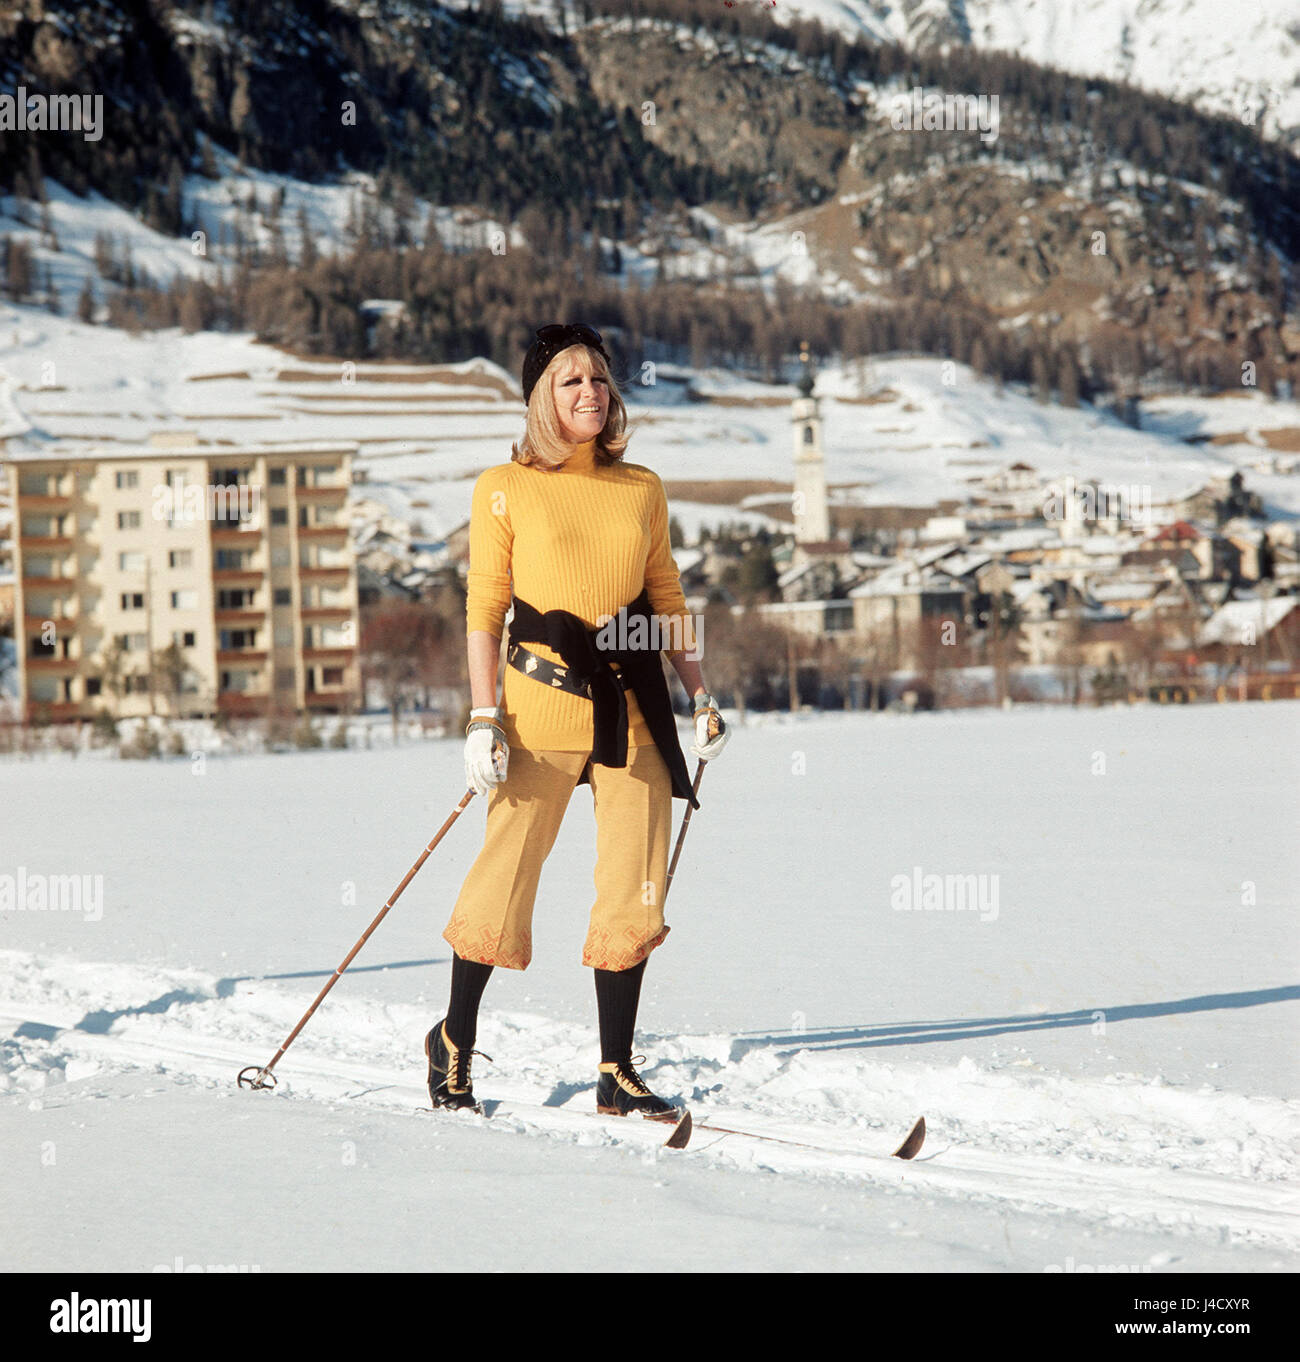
x=491 y=540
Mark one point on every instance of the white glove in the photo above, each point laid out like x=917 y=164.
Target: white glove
x=711 y=733
x=487 y=755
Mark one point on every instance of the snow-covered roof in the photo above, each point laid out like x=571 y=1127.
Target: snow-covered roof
x=1124 y=590
x=895 y=584
x=1027 y=537
x=864 y=559
x=1238 y=621
x=82 y=453
x=962 y=564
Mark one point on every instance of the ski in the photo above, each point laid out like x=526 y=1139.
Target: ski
x=626 y=1127
x=909 y=1149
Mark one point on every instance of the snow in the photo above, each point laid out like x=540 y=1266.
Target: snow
x=1106 y=1063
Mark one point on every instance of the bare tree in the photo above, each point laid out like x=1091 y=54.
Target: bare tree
x=403 y=649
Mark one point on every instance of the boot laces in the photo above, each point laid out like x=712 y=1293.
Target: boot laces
x=460 y=1067
x=633 y=1078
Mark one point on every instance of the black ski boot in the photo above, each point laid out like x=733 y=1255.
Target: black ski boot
x=449 y=1080
x=620 y=1092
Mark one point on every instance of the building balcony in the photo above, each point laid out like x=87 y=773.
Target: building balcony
x=324 y=574
x=44 y=503
x=238 y=576
x=244 y=615
x=324 y=492
x=224 y=532
x=339 y=656
x=63 y=624
x=49 y=584
x=331 y=699
x=52 y=664
x=53 y=711
x=39 y=543
x=242 y=702
x=321 y=531
x=326 y=612
x=252 y=656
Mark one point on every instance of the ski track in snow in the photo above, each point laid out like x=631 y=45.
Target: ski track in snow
x=1120 y=1152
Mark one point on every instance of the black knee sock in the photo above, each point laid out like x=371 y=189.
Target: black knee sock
x=617 y=994
x=468 y=980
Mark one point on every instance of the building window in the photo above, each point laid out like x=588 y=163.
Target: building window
x=235 y=598
x=236 y=681
x=128 y=520
x=127 y=479
x=331 y=676
x=130 y=562
x=133 y=600
x=235 y=639
x=233 y=560
x=183 y=638
x=180 y=558
x=132 y=643
x=279 y=515
x=93 y=687
x=280 y=557
x=285 y=678
x=277 y=477
x=284 y=595
x=185 y=600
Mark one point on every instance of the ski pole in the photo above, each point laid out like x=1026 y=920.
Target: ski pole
x=253 y=1077
x=715 y=727
x=681 y=836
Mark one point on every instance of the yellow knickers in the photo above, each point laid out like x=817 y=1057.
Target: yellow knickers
x=492 y=921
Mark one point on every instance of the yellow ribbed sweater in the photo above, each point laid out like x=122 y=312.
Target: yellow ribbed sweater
x=584 y=538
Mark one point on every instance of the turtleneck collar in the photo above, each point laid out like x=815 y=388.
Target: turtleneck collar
x=582 y=460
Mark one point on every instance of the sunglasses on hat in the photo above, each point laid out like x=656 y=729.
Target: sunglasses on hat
x=577 y=330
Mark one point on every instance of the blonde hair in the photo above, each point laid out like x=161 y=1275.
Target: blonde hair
x=544 y=445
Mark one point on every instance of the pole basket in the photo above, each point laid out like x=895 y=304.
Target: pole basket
x=253 y=1077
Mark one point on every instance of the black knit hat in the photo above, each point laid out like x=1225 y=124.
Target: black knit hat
x=550 y=341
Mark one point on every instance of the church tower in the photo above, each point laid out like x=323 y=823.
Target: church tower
x=812 y=522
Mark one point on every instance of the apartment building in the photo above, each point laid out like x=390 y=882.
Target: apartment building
x=185 y=579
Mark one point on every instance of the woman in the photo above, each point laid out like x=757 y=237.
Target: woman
x=582 y=539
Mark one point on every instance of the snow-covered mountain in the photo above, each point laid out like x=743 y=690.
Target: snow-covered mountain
x=1243 y=63
x=1247 y=64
